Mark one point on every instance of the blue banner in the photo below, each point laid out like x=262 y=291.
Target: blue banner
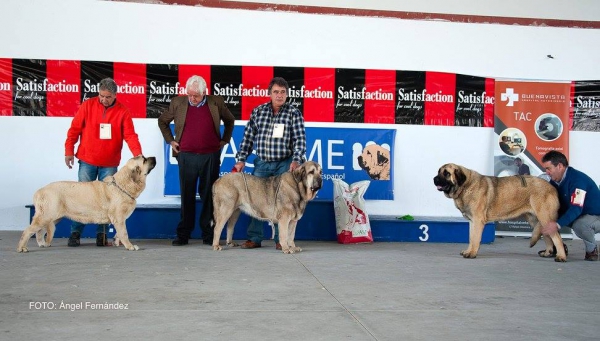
x=349 y=154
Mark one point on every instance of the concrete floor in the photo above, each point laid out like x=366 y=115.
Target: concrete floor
x=381 y=291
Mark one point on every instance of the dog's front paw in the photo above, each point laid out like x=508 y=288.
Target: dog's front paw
x=468 y=254
x=287 y=251
x=296 y=249
x=133 y=248
x=22 y=250
x=217 y=248
x=233 y=244
x=42 y=244
x=116 y=242
x=560 y=259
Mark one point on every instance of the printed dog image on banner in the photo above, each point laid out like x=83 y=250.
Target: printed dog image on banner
x=375 y=160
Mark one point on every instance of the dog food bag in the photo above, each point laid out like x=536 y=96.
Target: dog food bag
x=351 y=220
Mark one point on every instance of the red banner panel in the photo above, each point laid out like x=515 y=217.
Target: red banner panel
x=254 y=88
x=63 y=91
x=439 y=98
x=186 y=71
x=488 y=113
x=6 y=102
x=318 y=92
x=380 y=88
x=131 y=81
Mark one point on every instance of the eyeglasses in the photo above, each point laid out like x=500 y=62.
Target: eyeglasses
x=279 y=92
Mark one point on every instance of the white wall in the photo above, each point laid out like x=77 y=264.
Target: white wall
x=115 y=31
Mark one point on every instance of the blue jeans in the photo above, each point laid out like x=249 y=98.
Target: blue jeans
x=263 y=169
x=87 y=173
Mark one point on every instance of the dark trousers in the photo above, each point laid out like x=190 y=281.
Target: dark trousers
x=197 y=174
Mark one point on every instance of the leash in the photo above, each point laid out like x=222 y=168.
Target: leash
x=274 y=206
x=113 y=182
x=523 y=183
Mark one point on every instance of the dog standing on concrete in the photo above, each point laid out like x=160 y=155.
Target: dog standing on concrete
x=96 y=202
x=482 y=199
x=279 y=199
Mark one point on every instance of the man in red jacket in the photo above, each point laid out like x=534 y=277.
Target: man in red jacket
x=100 y=125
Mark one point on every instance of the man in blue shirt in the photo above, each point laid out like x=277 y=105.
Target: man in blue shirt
x=276 y=133
x=579 y=202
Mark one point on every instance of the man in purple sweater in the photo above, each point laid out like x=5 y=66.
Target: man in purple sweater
x=197 y=146
x=579 y=202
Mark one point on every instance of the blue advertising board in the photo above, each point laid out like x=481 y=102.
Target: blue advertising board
x=349 y=154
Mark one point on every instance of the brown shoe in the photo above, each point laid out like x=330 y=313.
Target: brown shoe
x=593 y=256
x=248 y=244
x=277 y=246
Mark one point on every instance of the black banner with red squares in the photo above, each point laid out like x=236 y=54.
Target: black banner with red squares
x=34 y=87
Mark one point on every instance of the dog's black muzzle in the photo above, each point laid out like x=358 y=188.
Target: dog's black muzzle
x=151 y=161
x=441 y=184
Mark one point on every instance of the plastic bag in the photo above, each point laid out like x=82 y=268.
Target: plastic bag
x=351 y=219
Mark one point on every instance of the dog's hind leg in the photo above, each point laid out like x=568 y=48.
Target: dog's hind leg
x=50 y=232
x=561 y=255
x=35 y=227
x=40 y=237
x=291 y=236
x=231 y=226
x=545 y=214
x=537 y=234
x=47 y=241
x=220 y=215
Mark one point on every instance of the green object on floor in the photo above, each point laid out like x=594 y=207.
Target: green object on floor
x=406 y=217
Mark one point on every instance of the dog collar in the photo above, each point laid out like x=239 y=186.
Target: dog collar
x=113 y=182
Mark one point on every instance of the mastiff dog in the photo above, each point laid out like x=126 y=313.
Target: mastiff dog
x=482 y=199
x=110 y=201
x=278 y=199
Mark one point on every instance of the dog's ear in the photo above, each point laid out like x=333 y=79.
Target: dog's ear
x=299 y=173
x=381 y=159
x=460 y=177
x=136 y=173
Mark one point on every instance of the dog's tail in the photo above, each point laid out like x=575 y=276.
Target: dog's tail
x=272 y=229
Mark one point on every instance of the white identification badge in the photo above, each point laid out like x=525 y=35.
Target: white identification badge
x=278 y=130
x=578 y=197
x=105 y=132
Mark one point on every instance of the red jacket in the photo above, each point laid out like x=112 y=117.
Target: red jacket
x=85 y=128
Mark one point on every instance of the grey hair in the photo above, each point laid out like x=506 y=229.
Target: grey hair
x=196 y=83
x=109 y=85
